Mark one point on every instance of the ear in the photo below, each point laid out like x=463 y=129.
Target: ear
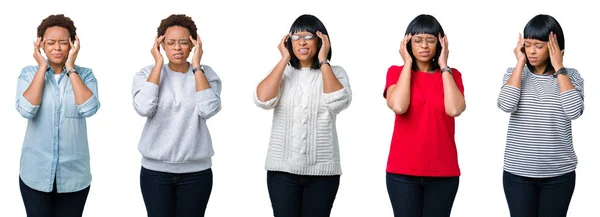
x=562 y=52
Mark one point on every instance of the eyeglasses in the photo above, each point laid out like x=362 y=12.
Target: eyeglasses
x=182 y=42
x=306 y=37
x=417 y=41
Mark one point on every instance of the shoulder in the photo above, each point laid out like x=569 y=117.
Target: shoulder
x=29 y=71
x=83 y=71
x=147 y=69
x=456 y=72
x=574 y=74
x=209 y=72
x=338 y=70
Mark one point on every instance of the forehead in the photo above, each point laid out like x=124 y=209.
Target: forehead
x=424 y=35
x=533 y=41
x=177 y=32
x=302 y=33
x=57 y=33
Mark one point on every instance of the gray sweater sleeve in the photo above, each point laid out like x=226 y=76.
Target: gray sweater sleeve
x=509 y=96
x=145 y=94
x=208 y=101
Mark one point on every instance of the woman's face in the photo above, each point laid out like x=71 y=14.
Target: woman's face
x=177 y=44
x=536 y=52
x=57 y=45
x=424 y=47
x=304 y=45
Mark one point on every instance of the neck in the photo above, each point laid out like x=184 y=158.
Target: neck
x=540 y=69
x=423 y=66
x=306 y=63
x=58 y=68
x=183 y=68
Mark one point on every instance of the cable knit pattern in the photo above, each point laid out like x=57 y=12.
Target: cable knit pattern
x=303 y=134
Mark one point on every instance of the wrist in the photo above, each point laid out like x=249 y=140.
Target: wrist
x=558 y=67
x=324 y=62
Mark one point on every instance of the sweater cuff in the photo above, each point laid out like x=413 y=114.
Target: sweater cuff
x=334 y=96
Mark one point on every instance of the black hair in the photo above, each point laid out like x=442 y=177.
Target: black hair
x=312 y=24
x=59 y=20
x=539 y=28
x=425 y=24
x=177 y=20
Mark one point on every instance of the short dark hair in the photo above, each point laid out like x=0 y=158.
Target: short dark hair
x=539 y=28
x=425 y=24
x=312 y=24
x=57 y=20
x=178 y=20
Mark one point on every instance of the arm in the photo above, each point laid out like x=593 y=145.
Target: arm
x=30 y=90
x=571 y=94
x=398 y=94
x=208 y=93
x=570 y=85
x=269 y=89
x=145 y=94
x=510 y=95
x=34 y=86
x=341 y=96
x=85 y=92
x=454 y=100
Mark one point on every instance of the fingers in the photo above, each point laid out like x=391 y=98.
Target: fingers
x=37 y=44
x=323 y=37
x=551 y=43
x=194 y=42
x=158 y=40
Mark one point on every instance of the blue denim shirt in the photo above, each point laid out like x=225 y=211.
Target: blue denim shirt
x=55 y=144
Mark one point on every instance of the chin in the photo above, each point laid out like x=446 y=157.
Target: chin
x=178 y=61
x=57 y=62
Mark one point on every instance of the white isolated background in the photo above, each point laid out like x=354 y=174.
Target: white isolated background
x=240 y=42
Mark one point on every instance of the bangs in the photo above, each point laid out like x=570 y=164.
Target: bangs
x=305 y=23
x=424 y=24
x=537 y=29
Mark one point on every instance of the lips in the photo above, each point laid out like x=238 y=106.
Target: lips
x=424 y=53
x=533 y=59
x=57 y=55
x=303 y=51
x=178 y=55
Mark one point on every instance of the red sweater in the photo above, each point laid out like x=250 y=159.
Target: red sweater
x=423 y=139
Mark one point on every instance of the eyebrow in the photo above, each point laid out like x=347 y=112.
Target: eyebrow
x=420 y=37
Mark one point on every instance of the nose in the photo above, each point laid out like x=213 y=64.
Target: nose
x=56 y=46
x=424 y=44
x=302 y=41
x=177 y=46
x=531 y=50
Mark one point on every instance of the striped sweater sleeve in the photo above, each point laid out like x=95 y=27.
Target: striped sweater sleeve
x=509 y=96
x=572 y=100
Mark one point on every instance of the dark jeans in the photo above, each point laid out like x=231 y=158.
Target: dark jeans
x=301 y=196
x=53 y=204
x=417 y=196
x=538 y=197
x=176 y=194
